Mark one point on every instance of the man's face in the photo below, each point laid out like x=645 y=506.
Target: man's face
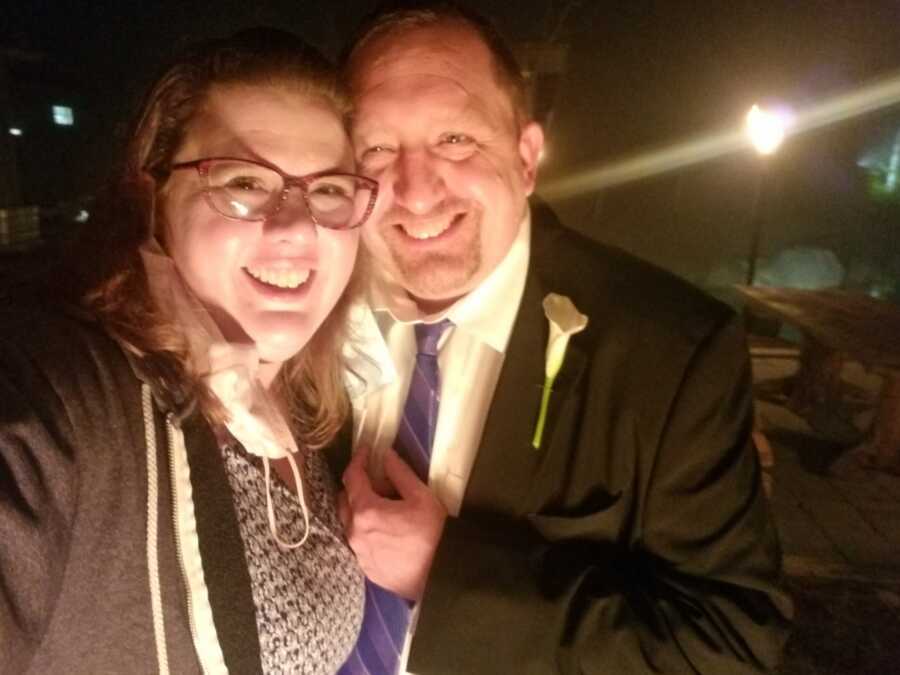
x=435 y=129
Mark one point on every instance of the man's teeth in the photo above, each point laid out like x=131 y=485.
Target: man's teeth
x=423 y=234
x=280 y=278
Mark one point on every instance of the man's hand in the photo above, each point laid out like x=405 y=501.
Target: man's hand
x=394 y=539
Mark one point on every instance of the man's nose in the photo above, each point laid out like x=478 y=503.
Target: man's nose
x=418 y=185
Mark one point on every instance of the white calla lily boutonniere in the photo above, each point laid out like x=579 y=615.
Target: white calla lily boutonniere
x=565 y=320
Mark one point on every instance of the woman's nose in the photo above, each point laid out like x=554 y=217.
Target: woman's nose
x=292 y=219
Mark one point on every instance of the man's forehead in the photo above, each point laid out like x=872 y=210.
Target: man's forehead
x=405 y=86
x=436 y=99
x=443 y=51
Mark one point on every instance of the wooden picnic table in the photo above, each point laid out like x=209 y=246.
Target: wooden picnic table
x=838 y=325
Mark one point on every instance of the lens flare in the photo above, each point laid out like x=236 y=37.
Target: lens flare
x=874 y=96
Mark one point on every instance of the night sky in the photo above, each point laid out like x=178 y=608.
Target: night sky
x=641 y=74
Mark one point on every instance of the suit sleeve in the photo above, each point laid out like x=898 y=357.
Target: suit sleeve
x=38 y=489
x=696 y=590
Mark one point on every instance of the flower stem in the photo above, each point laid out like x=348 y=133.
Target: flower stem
x=542 y=417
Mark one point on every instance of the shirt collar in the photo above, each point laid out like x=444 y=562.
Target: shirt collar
x=487 y=312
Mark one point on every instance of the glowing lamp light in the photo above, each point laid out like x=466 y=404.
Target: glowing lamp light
x=765 y=129
x=15 y=131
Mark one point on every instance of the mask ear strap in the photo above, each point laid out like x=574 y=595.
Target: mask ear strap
x=255 y=421
x=151 y=234
x=273 y=525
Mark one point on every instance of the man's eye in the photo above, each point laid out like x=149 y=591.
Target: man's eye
x=376 y=158
x=376 y=150
x=456 y=139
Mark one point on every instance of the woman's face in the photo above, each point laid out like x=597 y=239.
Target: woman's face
x=270 y=282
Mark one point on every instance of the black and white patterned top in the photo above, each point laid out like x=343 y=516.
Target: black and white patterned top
x=309 y=600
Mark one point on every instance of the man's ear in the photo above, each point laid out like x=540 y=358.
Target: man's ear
x=531 y=143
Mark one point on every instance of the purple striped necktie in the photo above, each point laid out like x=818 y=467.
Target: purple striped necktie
x=386 y=617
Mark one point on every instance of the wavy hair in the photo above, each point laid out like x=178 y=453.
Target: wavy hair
x=116 y=292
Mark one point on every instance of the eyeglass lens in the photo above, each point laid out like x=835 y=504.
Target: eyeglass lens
x=250 y=191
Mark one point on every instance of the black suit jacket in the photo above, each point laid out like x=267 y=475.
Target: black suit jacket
x=637 y=538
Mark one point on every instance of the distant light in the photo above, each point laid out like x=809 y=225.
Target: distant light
x=15 y=131
x=82 y=216
x=542 y=155
x=63 y=115
x=766 y=129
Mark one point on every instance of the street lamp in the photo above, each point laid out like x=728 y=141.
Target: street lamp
x=766 y=130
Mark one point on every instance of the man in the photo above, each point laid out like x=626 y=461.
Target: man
x=635 y=537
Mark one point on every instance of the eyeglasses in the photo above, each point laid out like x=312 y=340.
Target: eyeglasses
x=245 y=189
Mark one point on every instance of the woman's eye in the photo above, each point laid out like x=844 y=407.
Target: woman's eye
x=245 y=183
x=331 y=190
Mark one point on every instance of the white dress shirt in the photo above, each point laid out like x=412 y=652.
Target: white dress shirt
x=470 y=356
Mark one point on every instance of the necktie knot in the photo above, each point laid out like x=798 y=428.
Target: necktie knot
x=429 y=334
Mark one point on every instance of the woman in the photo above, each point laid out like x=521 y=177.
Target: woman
x=141 y=529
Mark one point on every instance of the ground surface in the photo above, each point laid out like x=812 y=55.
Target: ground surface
x=840 y=531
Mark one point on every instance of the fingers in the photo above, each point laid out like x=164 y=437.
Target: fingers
x=356 y=479
x=401 y=476
x=394 y=539
x=344 y=512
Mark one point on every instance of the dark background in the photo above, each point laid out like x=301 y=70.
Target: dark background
x=639 y=75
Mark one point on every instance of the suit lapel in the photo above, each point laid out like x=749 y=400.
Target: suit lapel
x=507 y=462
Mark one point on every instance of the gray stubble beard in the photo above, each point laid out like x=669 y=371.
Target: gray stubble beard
x=439 y=275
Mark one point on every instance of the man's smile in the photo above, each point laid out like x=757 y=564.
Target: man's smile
x=428 y=231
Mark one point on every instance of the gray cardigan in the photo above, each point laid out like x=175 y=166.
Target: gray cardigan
x=92 y=574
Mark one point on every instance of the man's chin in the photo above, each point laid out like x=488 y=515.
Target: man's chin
x=438 y=288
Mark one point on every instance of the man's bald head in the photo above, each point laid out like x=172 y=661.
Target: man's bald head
x=390 y=25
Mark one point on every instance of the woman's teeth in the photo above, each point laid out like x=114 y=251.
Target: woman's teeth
x=289 y=279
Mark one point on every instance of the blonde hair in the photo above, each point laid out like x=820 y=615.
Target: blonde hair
x=309 y=385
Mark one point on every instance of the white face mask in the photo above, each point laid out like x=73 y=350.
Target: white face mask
x=231 y=373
